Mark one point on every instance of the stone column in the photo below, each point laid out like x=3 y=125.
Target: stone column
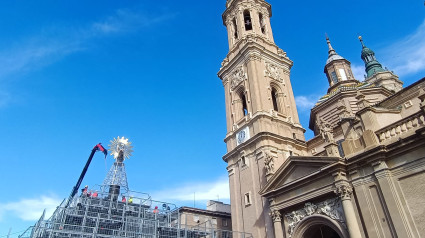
x=238 y=108
x=268 y=27
x=277 y=223
x=344 y=190
x=241 y=21
x=230 y=33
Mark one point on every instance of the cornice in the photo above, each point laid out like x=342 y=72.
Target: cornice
x=204 y=212
x=334 y=164
x=261 y=136
x=257 y=116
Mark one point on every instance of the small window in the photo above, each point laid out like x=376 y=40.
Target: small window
x=291 y=153
x=274 y=100
x=334 y=77
x=247 y=199
x=342 y=74
x=243 y=161
x=262 y=25
x=294 y=136
x=247 y=20
x=244 y=106
x=235 y=29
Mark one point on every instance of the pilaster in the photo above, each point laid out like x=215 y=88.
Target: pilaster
x=277 y=223
x=344 y=190
x=392 y=199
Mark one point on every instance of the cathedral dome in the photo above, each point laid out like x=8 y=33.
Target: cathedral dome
x=366 y=51
x=333 y=58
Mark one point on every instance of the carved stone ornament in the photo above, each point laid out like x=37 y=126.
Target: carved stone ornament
x=331 y=208
x=281 y=53
x=276 y=216
x=273 y=72
x=237 y=77
x=326 y=131
x=225 y=62
x=269 y=163
x=344 y=191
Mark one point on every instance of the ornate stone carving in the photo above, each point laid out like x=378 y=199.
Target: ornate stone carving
x=422 y=98
x=273 y=71
x=276 y=216
x=237 y=77
x=225 y=62
x=269 y=163
x=331 y=208
x=310 y=208
x=281 y=53
x=326 y=131
x=344 y=191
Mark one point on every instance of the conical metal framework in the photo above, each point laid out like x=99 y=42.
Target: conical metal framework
x=116 y=179
x=116 y=176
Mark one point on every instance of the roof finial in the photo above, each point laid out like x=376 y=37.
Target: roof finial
x=331 y=49
x=361 y=41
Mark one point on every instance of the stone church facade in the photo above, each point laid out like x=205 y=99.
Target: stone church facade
x=362 y=175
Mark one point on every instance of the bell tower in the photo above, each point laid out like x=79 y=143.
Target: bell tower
x=263 y=128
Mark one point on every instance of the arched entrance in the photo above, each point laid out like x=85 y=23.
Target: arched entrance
x=320 y=231
x=319 y=226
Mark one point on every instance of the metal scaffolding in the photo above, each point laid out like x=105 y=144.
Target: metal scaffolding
x=115 y=211
x=104 y=217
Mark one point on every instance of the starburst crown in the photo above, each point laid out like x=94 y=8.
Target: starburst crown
x=121 y=144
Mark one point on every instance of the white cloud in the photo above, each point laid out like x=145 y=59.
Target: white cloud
x=30 y=209
x=126 y=20
x=203 y=191
x=55 y=43
x=58 y=42
x=358 y=71
x=407 y=56
x=306 y=102
x=36 y=53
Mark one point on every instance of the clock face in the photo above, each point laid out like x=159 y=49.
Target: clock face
x=241 y=137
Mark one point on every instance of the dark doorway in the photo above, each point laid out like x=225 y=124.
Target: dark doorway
x=320 y=231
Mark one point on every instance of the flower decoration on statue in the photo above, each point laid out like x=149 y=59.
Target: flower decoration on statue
x=120 y=146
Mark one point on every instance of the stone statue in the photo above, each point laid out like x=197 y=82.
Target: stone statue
x=269 y=163
x=326 y=131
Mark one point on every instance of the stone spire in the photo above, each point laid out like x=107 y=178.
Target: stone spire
x=332 y=53
x=337 y=69
x=371 y=63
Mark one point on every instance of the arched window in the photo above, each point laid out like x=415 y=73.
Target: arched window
x=274 y=100
x=262 y=25
x=247 y=20
x=244 y=106
x=235 y=29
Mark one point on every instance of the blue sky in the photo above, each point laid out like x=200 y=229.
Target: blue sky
x=76 y=73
